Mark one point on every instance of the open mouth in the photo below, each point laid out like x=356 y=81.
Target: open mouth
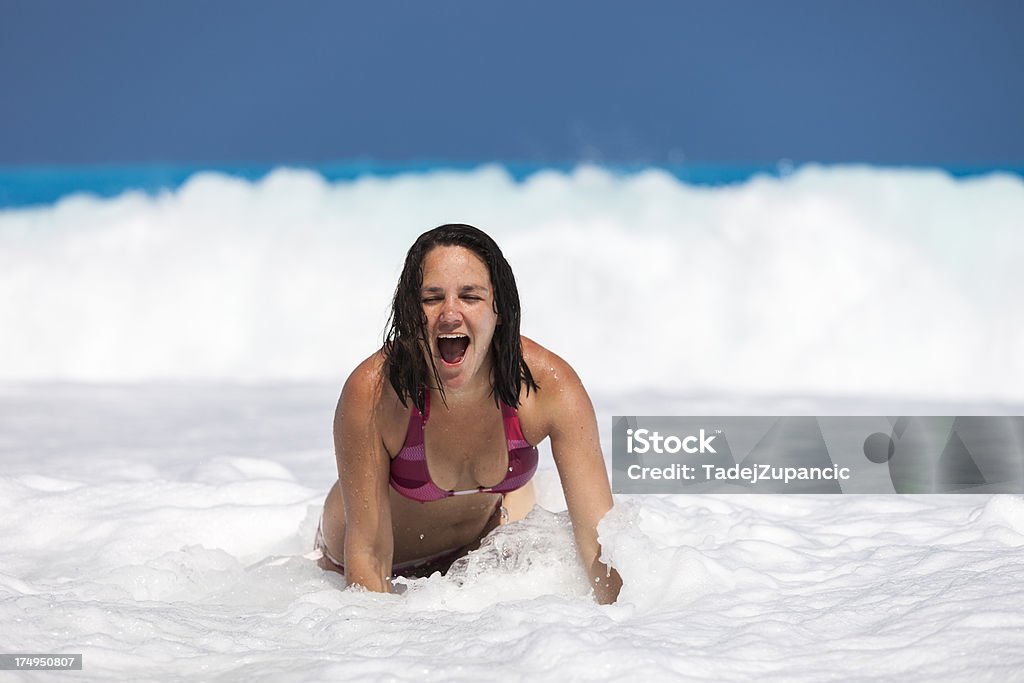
x=452 y=347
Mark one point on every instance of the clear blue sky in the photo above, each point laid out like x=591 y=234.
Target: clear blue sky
x=712 y=82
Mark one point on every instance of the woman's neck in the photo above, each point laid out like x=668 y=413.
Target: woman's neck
x=480 y=389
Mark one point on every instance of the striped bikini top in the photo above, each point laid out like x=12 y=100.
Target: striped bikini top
x=411 y=478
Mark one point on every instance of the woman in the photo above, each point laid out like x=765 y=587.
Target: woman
x=450 y=406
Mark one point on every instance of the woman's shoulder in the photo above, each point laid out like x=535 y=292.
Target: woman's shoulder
x=561 y=402
x=369 y=402
x=368 y=389
x=545 y=365
x=555 y=377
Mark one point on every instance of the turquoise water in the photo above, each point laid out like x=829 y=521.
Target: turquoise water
x=35 y=185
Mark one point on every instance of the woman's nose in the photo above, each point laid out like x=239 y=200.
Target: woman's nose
x=449 y=314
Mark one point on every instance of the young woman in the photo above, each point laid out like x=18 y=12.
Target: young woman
x=435 y=434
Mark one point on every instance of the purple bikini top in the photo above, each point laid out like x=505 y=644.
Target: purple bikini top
x=411 y=478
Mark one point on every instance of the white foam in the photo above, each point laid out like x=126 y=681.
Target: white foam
x=202 y=569
x=830 y=281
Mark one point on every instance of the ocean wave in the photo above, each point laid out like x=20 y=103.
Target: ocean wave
x=828 y=280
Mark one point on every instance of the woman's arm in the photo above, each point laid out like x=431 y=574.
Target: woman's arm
x=363 y=473
x=577 y=452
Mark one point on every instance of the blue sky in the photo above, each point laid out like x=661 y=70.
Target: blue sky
x=728 y=82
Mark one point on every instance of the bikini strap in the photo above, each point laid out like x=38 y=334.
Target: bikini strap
x=513 y=432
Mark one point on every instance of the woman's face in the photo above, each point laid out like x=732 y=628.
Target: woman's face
x=458 y=303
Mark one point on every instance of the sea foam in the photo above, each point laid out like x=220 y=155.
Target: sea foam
x=827 y=281
x=138 y=534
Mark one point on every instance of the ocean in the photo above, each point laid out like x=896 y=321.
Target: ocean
x=174 y=340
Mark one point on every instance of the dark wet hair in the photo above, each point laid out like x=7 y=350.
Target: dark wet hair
x=405 y=337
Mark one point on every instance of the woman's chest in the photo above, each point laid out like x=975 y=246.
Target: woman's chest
x=464 y=454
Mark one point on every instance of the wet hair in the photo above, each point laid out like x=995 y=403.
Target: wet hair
x=406 y=336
